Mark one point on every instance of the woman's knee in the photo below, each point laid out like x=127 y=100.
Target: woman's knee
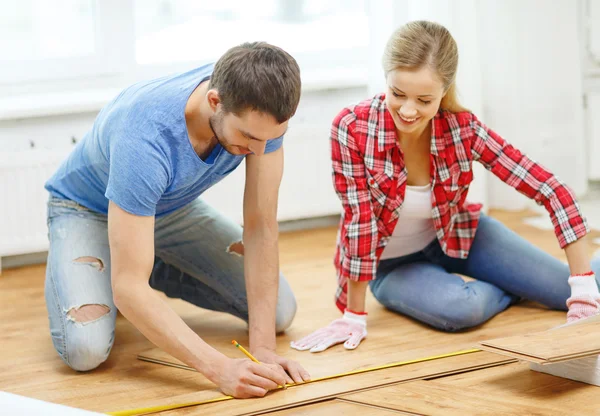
x=460 y=310
x=462 y=319
x=384 y=292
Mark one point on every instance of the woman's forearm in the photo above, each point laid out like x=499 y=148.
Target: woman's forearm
x=578 y=257
x=356 y=295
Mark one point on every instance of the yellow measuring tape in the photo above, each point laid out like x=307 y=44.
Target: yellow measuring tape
x=148 y=410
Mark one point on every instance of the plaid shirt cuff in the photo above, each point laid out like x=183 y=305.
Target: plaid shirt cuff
x=568 y=233
x=358 y=268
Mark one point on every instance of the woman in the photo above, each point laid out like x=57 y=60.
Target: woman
x=402 y=164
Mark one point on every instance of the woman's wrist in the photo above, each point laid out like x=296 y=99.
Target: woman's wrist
x=578 y=258
x=358 y=317
x=357 y=292
x=583 y=284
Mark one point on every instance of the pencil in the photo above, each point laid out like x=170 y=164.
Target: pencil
x=234 y=342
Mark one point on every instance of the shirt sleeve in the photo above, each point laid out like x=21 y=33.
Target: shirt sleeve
x=530 y=179
x=273 y=144
x=138 y=175
x=359 y=234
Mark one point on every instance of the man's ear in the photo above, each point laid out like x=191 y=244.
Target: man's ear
x=213 y=99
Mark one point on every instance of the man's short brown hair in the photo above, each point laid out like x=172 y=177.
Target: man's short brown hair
x=258 y=76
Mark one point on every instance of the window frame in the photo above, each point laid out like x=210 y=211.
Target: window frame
x=114 y=63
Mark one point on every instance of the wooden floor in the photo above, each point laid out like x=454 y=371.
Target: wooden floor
x=30 y=367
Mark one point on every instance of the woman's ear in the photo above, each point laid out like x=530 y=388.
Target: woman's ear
x=445 y=92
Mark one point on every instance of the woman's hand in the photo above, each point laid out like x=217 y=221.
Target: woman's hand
x=585 y=297
x=351 y=329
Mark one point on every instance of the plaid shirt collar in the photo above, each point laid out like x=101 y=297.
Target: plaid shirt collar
x=386 y=135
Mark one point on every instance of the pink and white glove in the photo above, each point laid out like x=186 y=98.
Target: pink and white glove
x=350 y=329
x=585 y=298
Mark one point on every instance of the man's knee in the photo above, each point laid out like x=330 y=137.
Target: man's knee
x=286 y=308
x=84 y=356
x=89 y=343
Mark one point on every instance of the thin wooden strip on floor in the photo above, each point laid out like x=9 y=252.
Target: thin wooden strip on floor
x=568 y=357
x=537 y=360
x=301 y=395
x=512 y=354
x=163 y=362
x=559 y=344
x=333 y=407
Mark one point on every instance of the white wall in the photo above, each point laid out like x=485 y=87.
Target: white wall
x=532 y=87
x=590 y=33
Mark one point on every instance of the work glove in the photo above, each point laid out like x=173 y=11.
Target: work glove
x=585 y=298
x=350 y=329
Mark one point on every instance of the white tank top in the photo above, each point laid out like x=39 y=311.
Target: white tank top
x=414 y=229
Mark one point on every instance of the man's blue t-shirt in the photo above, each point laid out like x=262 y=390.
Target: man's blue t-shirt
x=138 y=153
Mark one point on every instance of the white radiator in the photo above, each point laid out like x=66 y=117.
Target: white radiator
x=23 y=199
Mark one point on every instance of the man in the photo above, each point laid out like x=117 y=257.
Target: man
x=124 y=218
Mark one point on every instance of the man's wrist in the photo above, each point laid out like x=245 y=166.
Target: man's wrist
x=263 y=343
x=212 y=367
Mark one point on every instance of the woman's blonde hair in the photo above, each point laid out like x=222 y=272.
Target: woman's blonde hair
x=421 y=44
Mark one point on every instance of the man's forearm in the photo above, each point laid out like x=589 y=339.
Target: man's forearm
x=163 y=327
x=261 y=266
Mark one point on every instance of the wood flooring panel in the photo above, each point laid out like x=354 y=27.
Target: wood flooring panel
x=510 y=389
x=518 y=382
x=559 y=344
x=311 y=392
x=333 y=407
x=434 y=398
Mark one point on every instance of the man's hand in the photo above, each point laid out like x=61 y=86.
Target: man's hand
x=292 y=371
x=243 y=378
